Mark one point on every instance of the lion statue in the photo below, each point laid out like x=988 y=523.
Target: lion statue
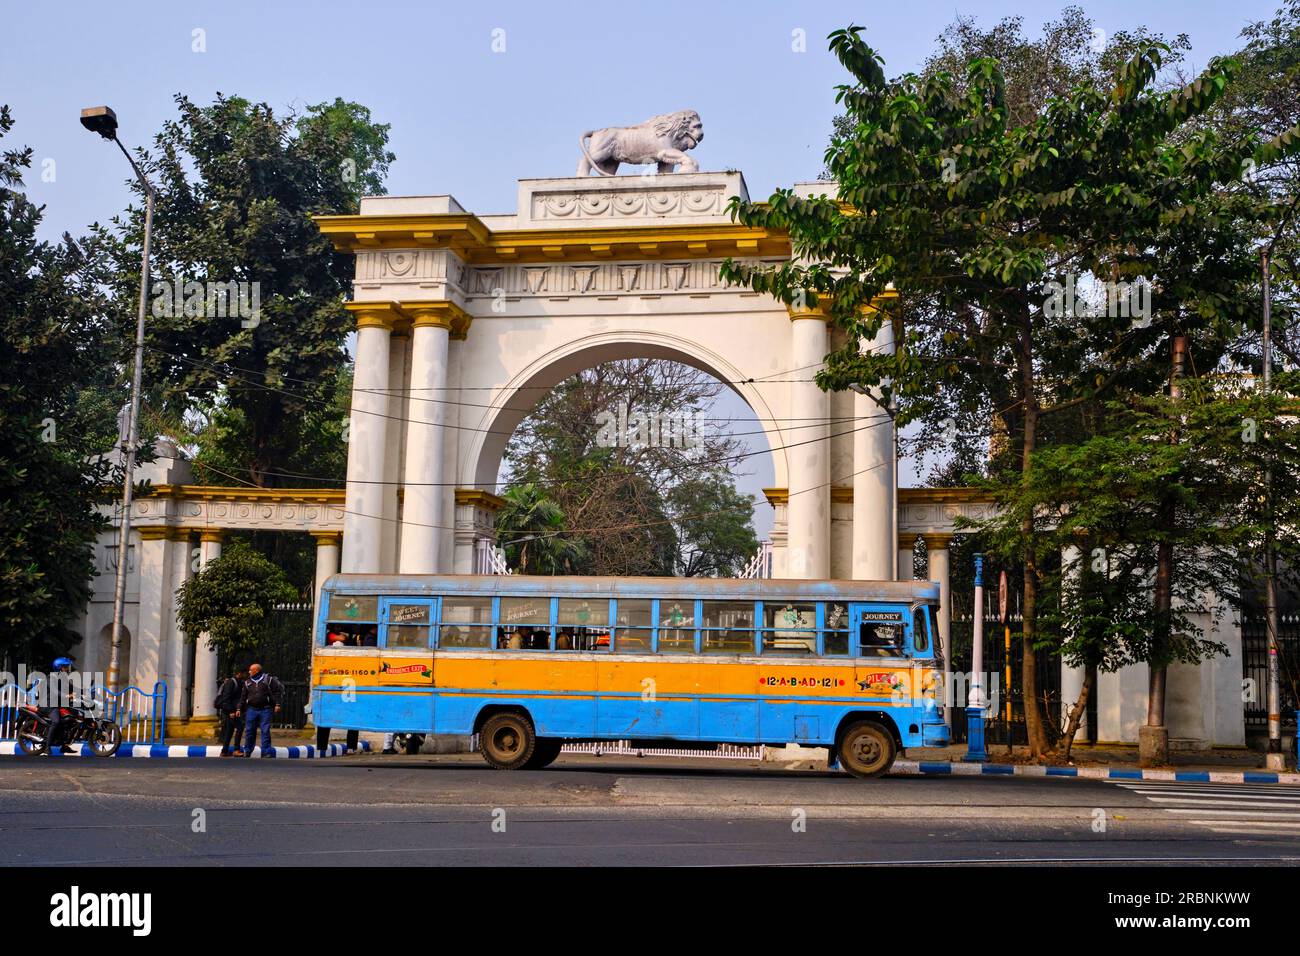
x=661 y=139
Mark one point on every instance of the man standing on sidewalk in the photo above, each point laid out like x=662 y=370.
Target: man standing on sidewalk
x=227 y=704
x=258 y=701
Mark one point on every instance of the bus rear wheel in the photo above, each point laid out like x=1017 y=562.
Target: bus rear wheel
x=507 y=741
x=867 y=749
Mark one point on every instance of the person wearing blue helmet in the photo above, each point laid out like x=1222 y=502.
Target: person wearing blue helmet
x=62 y=665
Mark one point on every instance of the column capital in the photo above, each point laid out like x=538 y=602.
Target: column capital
x=907 y=540
x=439 y=313
x=211 y=535
x=152 y=532
x=381 y=315
x=937 y=540
x=818 y=312
x=326 y=538
x=178 y=534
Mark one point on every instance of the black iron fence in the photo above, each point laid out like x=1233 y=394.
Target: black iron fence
x=1254 y=668
x=283 y=648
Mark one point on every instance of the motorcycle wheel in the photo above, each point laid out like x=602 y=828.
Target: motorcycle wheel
x=31 y=737
x=107 y=738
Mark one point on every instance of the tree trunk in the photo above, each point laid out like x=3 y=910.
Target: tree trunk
x=1080 y=708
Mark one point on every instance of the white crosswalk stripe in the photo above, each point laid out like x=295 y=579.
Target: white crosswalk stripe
x=1244 y=809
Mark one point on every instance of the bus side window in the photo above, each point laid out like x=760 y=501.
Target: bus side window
x=835 y=636
x=880 y=640
x=352 y=621
x=920 y=631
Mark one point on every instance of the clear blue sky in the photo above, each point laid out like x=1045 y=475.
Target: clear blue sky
x=469 y=121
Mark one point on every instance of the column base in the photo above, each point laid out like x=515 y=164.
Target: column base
x=191 y=727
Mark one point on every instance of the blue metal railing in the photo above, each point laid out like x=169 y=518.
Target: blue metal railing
x=141 y=715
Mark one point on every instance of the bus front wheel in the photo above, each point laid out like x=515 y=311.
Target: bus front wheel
x=507 y=741
x=867 y=749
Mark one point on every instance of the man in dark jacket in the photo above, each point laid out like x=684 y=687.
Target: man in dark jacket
x=227 y=704
x=260 y=698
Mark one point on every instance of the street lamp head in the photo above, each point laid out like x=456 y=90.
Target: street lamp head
x=101 y=120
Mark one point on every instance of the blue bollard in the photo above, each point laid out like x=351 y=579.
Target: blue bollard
x=975 y=736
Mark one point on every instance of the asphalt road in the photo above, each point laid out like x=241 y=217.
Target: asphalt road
x=402 y=811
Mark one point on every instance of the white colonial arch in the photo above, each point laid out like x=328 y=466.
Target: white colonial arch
x=486 y=440
x=463 y=319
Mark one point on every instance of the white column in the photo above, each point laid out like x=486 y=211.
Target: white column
x=327 y=565
x=394 y=446
x=147 y=643
x=205 y=658
x=180 y=561
x=905 y=571
x=937 y=546
x=809 y=507
x=875 y=477
x=363 y=522
x=422 y=511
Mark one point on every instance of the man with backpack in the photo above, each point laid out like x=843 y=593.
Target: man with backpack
x=258 y=700
x=227 y=704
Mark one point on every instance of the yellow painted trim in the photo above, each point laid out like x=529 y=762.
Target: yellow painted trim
x=468 y=237
x=777 y=496
x=305 y=496
x=440 y=313
x=327 y=537
x=934 y=496
x=178 y=534
x=153 y=533
x=842 y=494
x=937 y=540
x=484 y=499
x=818 y=312
x=382 y=315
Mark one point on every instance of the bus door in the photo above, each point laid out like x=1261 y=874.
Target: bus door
x=879 y=638
x=406 y=662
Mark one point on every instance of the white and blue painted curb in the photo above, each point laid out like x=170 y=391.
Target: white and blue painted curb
x=182 y=751
x=942 y=768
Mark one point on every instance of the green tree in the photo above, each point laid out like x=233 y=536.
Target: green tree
x=58 y=401
x=980 y=224
x=236 y=186
x=231 y=597
x=531 y=528
x=639 y=504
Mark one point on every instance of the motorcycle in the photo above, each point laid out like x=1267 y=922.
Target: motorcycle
x=76 y=725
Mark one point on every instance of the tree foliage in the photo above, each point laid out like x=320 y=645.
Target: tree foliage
x=58 y=401
x=236 y=186
x=978 y=223
x=231 y=597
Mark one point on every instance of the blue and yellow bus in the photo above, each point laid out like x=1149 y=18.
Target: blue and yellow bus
x=529 y=663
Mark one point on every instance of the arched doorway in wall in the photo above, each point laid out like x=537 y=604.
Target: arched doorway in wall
x=651 y=457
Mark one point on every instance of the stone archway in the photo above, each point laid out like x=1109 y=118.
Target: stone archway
x=485 y=443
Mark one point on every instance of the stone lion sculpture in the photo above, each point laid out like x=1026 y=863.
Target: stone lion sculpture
x=661 y=139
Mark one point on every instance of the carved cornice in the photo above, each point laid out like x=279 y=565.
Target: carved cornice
x=482 y=499
x=474 y=242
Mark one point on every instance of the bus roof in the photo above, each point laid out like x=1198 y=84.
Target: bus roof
x=721 y=589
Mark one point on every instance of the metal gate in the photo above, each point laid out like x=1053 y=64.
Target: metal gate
x=1254 y=668
x=283 y=648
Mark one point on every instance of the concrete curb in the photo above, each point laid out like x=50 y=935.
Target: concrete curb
x=935 y=767
x=199 y=751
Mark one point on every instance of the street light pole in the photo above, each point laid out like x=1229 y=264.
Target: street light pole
x=1273 y=759
x=975 y=752
x=102 y=120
